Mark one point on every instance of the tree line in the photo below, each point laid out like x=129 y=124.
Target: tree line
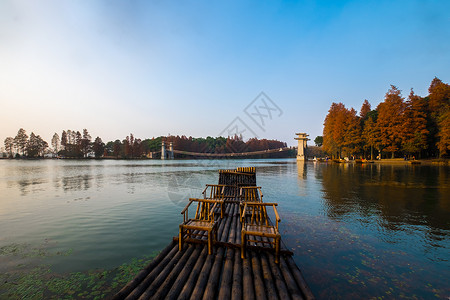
x=76 y=144
x=416 y=126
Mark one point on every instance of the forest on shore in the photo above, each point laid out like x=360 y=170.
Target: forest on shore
x=398 y=127
x=76 y=144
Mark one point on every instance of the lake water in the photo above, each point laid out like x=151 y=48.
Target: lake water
x=357 y=231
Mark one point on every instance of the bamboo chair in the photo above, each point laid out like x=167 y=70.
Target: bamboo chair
x=203 y=221
x=227 y=193
x=258 y=224
x=215 y=192
x=249 y=194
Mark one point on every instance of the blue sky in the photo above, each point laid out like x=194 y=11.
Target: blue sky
x=153 y=67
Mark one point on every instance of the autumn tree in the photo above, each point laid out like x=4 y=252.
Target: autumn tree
x=371 y=135
x=414 y=127
x=20 y=141
x=9 y=145
x=365 y=109
x=98 y=147
x=391 y=119
x=443 y=143
x=438 y=106
x=334 y=129
x=55 y=143
x=352 y=135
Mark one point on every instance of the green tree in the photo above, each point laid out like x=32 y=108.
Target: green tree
x=318 y=140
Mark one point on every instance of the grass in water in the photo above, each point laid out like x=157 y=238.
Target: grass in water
x=39 y=282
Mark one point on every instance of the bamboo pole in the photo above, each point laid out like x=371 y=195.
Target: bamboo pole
x=193 y=276
x=199 y=289
x=227 y=276
x=268 y=278
x=184 y=275
x=163 y=289
x=126 y=290
x=158 y=281
x=236 y=292
x=293 y=289
x=152 y=275
x=232 y=235
x=282 y=289
x=260 y=292
x=213 y=280
x=249 y=289
x=300 y=279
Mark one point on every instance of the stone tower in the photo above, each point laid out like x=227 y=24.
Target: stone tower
x=302 y=139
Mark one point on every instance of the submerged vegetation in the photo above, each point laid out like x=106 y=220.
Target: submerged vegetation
x=36 y=280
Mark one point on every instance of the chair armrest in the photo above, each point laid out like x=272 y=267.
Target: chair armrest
x=277 y=216
x=185 y=212
x=260 y=193
x=243 y=214
x=211 y=213
x=185 y=209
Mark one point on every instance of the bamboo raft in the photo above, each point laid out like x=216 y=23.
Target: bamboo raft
x=190 y=273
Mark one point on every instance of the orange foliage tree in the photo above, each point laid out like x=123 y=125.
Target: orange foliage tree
x=371 y=135
x=438 y=107
x=334 y=129
x=352 y=135
x=391 y=119
x=414 y=128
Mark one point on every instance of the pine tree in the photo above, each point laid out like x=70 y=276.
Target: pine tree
x=20 y=141
x=55 y=143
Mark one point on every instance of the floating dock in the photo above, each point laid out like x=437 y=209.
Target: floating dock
x=193 y=274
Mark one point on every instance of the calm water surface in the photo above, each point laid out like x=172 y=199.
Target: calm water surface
x=357 y=231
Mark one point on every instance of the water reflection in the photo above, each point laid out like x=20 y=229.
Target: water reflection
x=399 y=195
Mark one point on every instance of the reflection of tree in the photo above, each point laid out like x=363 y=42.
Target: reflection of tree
x=26 y=184
x=76 y=183
x=399 y=194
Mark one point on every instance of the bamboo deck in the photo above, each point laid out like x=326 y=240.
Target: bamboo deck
x=193 y=274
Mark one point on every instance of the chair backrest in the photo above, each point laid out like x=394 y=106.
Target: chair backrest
x=214 y=191
x=241 y=176
x=205 y=209
x=250 y=194
x=258 y=213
